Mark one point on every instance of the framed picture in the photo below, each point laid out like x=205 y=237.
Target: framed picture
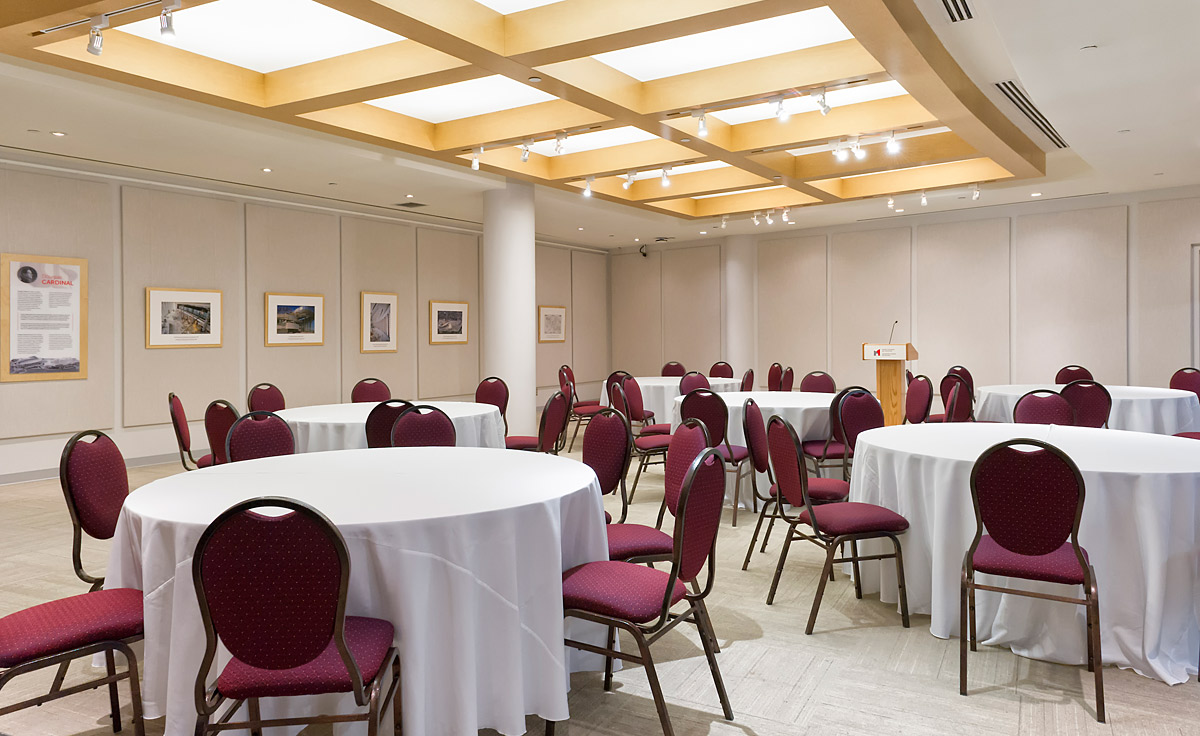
x=447 y=323
x=379 y=322
x=295 y=319
x=183 y=318
x=552 y=324
x=43 y=318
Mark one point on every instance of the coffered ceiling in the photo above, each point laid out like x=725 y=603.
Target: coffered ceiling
x=589 y=96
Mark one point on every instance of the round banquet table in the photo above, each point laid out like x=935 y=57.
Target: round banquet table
x=344 y=426
x=462 y=549
x=659 y=393
x=1136 y=408
x=1139 y=526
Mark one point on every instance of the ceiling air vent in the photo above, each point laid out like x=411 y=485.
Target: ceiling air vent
x=409 y=205
x=958 y=10
x=1017 y=96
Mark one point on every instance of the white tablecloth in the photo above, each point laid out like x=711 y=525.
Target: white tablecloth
x=659 y=393
x=344 y=426
x=1139 y=526
x=462 y=549
x=1136 y=408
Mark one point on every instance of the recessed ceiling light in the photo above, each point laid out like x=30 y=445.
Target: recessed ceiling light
x=1089 y=47
x=266 y=171
x=685 y=140
x=535 y=79
x=637 y=240
x=409 y=196
x=898 y=209
x=1123 y=130
x=1035 y=194
x=704 y=232
x=57 y=133
x=464 y=99
x=580 y=228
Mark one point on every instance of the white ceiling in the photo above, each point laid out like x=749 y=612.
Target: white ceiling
x=1141 y=78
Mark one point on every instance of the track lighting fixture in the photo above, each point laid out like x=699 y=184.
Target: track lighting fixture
x=859 y=152
x=755 y=219
x=975 y=192
x=166 y=21
x=560 y=140
x=724 y=221
x=666 y=176
x=819 y=98
x=770 y=220
x=587 y=186
x=780 y=112
x=893 y=145
x=924 y=199
x=525 y=152
x=891 y=203
x=701 y=124
x=840 y=153
x=784 y=216
x=475 y=154
x=95 y=45
x=629 y=179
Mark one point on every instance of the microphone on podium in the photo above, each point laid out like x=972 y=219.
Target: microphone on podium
x=893 y=332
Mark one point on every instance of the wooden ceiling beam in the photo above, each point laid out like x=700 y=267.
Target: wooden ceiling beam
x=927 y=149
x=508 y=127
x=934 y=176
x=865 y=118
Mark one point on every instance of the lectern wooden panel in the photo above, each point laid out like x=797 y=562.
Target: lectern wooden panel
x=889 y=376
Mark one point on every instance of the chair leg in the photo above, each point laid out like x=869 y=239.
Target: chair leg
x=255 y=716
x=787 y=544
x=641 y=466
x=854 y=567
x=963 y=635
x=974 y=640
x=59 y=676
x=608 y=661
x=900 y=587
x=662 y=513
x=549 y=728
x=708 y=637
x=660 y=704
x=578 y=424
x=397 y=711
x=831 y=550
x=135 y=693
x=702 y=611
x=114 y=701
x=737 y=492
x=757 y=527
x=1096 y=657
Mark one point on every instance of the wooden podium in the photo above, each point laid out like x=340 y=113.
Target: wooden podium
x=889 y=376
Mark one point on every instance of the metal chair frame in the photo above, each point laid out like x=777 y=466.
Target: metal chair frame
x=618 y=401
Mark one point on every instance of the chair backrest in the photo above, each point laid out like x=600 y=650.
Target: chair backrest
x=259 y=434
x=835 y=420
x=553 y=427
x=569 y=371
x=618 y=401
x=1029 y=500
x=818 y=382
x=423 y=425
x=608 y=448
x=1091 y=402
x=919 y=400
x=693 y=380
x=787 y=380
x=787 y=463
x=265 y=397
x=272 y=589
x=774 y=377
x=370 y=391
x=1043 y=407
x=755 y=430
x=183 y=435
x=958 y=370
x=381 y=420
x=614 y=378
x=1069 y=373
x=908 y=376
x=219 y=418
x=858 y=412
x=720 y=369
x=493 y=390
x=708 y=407
x=748 y=380
x=673 y=369
x=633 y=399
x=1186 y=379
x=687 y=443
x=697 y=519
x=566 y=384
x=959 y=405
x=94 y=482
x=946 y=385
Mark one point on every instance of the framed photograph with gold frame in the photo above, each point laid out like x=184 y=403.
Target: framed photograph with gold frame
x=294 y=319
x=448 y=323
x=552 y=324
x=379 y=322
x=183 y=318
x=43 y=318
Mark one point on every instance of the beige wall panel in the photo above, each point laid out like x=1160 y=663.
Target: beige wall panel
x=691 y=304
x=869 y=285
x=379 y=256
x=553 y=279
x=1162 y=289
x=447 y=271
x=637 y=320
x=184 y=241
x=792 y=306
x=1070 y=294
x=589 y=321
x=960 y=299
x=58 y=216
x=295 y=252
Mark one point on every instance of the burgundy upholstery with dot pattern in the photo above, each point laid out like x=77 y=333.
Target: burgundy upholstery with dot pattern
x=964 y=374
x=748 y=380
x=789 y=472
x=701 y=502
x=633 y=398
x=614 y=379
x=265 y=397
x=787 y=380
x=859 y=411
x=571 y=377
x=825 y=490
x=958 y=408
x=692 y=381
x=732 y=453
x=218 y=420
x=626 y=541
x=851 y=517
x=606 y=448
x=96 y=483
x=259 y=434
x=755 y=430
x=708 y=407
x=1091 y=402
x=619 y=589
x=948 y=382
x=774 y=376
x=68 y=623
x=663 y=428
x=819 y=450
x=649 y=442
x=179 y=419
x=1027 y=499
x=1059 y=566
x=423 y=426
x=521 y=442
x=1069 y=373
x=554 y=421
x=721 y=369
x=370 y=391
x=674 y=369
x=1186 y=379
x=381 y=420
x=494 y=391
x=918 y=400
x=686 y=445
x=1043 y=407
x=565 y=383
x=818 y=382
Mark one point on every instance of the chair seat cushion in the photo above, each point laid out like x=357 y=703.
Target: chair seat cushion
x=588 y=402
x=732 y=453
x=817 y=449
x=65 y=624
x=626 y=541
x=652 y=442
x=655 y=429
x=1189 y=435
x=368 y=640
x=520 y=442
x=586 y=410
x=204 y=461
x=828 y=489
x=935 y=418
x=1060 y=566
x=618 y=589
x=851 y=517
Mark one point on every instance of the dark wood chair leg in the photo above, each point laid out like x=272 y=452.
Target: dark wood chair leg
x=757 y=528
x=787 y=544
x=830 y=551
x=707 y=637
x=114 y=700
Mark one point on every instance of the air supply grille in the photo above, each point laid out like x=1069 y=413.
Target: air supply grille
x=958 y=10
x=1017 y=96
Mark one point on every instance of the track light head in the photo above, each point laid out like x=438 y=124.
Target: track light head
x=701 y=123
x=166 y=21
x=587 y=186
x=784 y=216
x=819 y=98
x=95 y=45
x=724 y=221
x=893 y=145
x=840 y=153
x=770 y=220
x=924 y=200
x=666 y=176
x=859 y=152
x=560 y=140
x=629 y=179
x=891 y=203
x=975 y=192
x=475 y=154
x=525 y=152
x=755 y=219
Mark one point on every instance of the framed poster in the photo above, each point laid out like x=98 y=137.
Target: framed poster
x=379 y=322
x=295 y=319
x=183 y=318
x=447 y=323
x=552 y=324
x=43 y=318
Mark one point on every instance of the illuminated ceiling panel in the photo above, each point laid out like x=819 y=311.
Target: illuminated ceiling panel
x=505 y=7
x=463 y=99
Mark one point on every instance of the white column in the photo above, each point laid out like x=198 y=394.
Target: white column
x=510 y=301
x=740 y=257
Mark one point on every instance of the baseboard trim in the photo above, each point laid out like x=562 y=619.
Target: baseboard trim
x=30 y=475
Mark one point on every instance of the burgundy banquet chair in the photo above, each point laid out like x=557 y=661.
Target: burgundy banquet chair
x=673 y=369
x=423 y=425
x=272 y=590
x=858 y=412
x=381 y=420
x=691 y=381
x=1090 y=400
x=637 y=409
x=710 y=408
x=831 y=451
x=259 y=434
x=964 y=403
x=963 y=373
x=648 y=448
x=959 y=405
x=774 y=377
x=552 y=429
x=183 y=435
x=787 y=380
x=1030 y=501
x=818 y=382
x=493 y=390
x=1069 y=373
x=918 y=400
x=265 y=397
x=1186 y=379
x=608 y=450
x=1044 y=407
x=571 y=378
x=219 y=418
x=720 y=369
x=748 y=380
x=581 y=415
x=370 y=391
